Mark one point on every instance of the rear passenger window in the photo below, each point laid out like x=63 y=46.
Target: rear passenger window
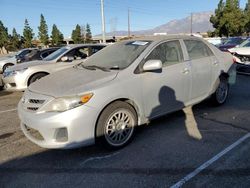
x=169 y=53
x=197 y=49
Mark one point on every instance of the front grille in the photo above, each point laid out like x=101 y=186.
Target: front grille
x=33 y=108
x=36 y=101
x=34 y=133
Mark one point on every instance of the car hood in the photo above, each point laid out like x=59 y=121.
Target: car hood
x=7 y=59
x=27 y=64
x=71 y=81
x=240 y=51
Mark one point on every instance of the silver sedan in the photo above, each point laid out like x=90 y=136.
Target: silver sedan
x=121 y=87
x=19 y=77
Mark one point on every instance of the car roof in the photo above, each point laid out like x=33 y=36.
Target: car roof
x=165 y=37
x=48 y=49
x=83 y=45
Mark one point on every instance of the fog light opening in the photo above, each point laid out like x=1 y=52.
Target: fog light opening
x=61 y=135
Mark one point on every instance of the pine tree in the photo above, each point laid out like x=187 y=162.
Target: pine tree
x=88 y=33
x=247 y=17
x=15 y=40
x=228 y=19
x=233 y=19
x=56 y=36
x=27 y=34
x=43 y=31
x=215 y=19
x=4 y=38
x=76 y=35
x=83 y=33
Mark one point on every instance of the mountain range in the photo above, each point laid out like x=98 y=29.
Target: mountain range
x=200 y=23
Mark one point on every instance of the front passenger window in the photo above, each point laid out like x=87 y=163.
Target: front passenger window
x=169 y=53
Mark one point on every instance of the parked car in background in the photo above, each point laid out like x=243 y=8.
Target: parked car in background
x=231 y=42
x=11 y=60
x=124 y=85
x=36 y=54
x=241 y=54
x=20 y=76
x=215 y=40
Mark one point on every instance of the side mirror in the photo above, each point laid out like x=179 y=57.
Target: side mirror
x=152 y=65
x=67 y=58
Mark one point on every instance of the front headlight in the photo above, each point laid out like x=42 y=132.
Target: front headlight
x=13 y=72
x=66 y=103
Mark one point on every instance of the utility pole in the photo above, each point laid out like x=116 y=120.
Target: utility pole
x=191 y=24
x=103 y=23
x=128 y=23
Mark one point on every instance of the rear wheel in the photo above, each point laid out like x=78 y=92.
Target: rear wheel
x=221 y=93
x=116 y=125
x=36 y=77
x=6 y=66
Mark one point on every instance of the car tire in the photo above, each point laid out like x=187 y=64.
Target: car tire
x=6 y=66
x=220 y=95
x=116 y=125
x=36 y=77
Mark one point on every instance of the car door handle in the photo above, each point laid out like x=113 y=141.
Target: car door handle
x=185 y=71
x=215 y=63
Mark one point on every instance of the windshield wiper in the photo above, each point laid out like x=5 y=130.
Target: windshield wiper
x=87 y=67
x=94 y=67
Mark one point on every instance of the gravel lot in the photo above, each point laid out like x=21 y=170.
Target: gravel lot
x=161 y=155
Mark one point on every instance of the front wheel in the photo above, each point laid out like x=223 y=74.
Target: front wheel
x=36 y=77
x=221 y=93
x=6 y=66
x=116 y=125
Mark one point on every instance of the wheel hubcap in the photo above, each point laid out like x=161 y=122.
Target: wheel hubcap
x=221 y=93
x=119 y=127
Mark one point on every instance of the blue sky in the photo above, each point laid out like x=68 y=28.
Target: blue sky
x=145 y=14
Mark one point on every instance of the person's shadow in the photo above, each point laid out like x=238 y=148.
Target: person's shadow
x=169 y=103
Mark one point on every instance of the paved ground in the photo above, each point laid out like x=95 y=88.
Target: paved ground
x=161 y=154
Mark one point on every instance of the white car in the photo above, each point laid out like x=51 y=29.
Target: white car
x=11 y=59
x=19 y=77
x=123 y=86
x=241 y=55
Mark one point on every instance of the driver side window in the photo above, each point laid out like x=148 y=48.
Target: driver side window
x=76 y=54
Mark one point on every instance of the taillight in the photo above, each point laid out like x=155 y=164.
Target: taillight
x=234 y=60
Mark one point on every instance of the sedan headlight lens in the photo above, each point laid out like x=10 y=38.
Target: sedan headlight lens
x=13 y=72
x=66 y=103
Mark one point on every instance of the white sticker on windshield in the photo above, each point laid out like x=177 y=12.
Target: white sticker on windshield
x=140 y=43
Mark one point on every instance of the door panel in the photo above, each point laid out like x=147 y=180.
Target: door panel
x=201 y=77
x=168 y=89
x=200 y=57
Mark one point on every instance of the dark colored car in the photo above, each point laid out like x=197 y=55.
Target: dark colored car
x=230 y=43
x=36 y=54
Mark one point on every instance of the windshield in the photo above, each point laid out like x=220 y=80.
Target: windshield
x=246 y=43
x=233 y=41
x=56 y=54
x=119 y=55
